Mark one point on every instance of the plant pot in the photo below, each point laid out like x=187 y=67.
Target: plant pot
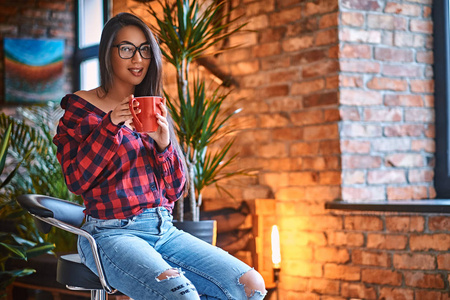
x=205 y=230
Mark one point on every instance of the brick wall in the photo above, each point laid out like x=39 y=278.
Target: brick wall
x=338 y=104
x=386 y=96
x=39 y=19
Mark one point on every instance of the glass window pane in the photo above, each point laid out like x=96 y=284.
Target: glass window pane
x=89 y=74
x=90 y=22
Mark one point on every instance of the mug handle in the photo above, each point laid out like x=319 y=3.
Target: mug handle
x=136 y=121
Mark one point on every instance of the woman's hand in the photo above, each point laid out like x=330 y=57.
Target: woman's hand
x=122 y=113
x=161 y=136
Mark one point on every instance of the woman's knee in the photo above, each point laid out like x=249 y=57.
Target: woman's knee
x=253 y=283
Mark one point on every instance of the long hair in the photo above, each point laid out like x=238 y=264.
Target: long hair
x=152 y=84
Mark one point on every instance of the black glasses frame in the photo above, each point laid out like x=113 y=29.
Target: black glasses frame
x=136 y=48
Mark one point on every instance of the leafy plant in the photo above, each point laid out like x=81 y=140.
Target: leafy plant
x=41 y=174
x=11 y=245
x=188 y=31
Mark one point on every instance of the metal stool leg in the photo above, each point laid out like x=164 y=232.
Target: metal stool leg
x=98 y=295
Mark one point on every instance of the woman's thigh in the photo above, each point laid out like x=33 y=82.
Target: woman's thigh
x=132 y=265
x=214 y=272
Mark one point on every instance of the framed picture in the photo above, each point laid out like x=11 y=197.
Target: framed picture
x=33 y=70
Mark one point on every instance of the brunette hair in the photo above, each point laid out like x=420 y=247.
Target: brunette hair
x=151 y=85
x=152 y=82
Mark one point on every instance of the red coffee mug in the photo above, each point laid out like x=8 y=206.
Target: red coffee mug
x=146 y=121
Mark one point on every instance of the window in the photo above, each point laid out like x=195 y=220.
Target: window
x=91 y=16
x=442 y=93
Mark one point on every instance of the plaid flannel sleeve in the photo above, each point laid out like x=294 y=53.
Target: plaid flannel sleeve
x=85 y=145
x=172 y=172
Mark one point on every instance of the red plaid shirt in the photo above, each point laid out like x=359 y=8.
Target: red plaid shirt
x=117 y=171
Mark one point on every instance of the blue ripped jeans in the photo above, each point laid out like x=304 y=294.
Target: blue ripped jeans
x=135 y=251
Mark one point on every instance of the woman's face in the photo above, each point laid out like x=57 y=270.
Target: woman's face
x=129 y=71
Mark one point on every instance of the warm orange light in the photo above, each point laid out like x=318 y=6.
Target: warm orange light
x=276 y=254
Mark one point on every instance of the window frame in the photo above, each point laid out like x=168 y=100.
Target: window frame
x=84 y=54
x=442 y=102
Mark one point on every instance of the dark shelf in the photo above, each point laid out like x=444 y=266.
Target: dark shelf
x=441 y=206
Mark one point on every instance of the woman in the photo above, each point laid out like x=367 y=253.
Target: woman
x=129 y=182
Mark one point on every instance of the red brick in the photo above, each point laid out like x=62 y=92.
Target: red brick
x=386 y=241
x=330 y=178
x=308 y=56
x=330 y=254
x=405 y=130
x=405 y=224
x=403 y=9
x=425 y=295
x=273 y=120
x=353 y=177
x=358 y=290
x=388 y=22
x=297 y=43
x=360 y=67
x=304 y=148
x=426 y=57
x=352 y=146
x=407 y=193
x=378 y=83
x=305 y=269
x=424 y=176
x=414 y=261
x=303 y=178
x=245 y=68
x=443 y=261
x=390 y=144
x=356 y=51
x=268 y=49
x=350 y=114
x=360 y=161
x=421 y=26
x=423 y=145
x=386 y=177
x=341 y=272
x=402 y=71
x=285 y=16
x=379 y=276
x=365 y=223
x=326 y=37
x=404 y=160
x=394 y=55
x=351 y=81
x=438 y=241
x=371 y=258
x=321 y=99
x=439 y=223
x=423 y=280
x=383 y=115
x=363 y=193
x=387 y=293
x=275 y=91
x=360 y=98
x=329 y=20
x=307 y=87
x=423 y=115
x=360 y=36
x=320 y=69
x=422 y=86
x=324 y=286
x=283 y=76
x=320 y=132
x=355 y=19
x=350 y=239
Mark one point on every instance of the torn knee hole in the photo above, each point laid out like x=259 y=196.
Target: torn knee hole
x=168 y=274
x=253 y=283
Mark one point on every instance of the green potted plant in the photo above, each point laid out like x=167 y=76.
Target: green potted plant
x=32 y=136
x=189 y=30
x=13 y=246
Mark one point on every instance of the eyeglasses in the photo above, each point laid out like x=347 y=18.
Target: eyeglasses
x=128 y=50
